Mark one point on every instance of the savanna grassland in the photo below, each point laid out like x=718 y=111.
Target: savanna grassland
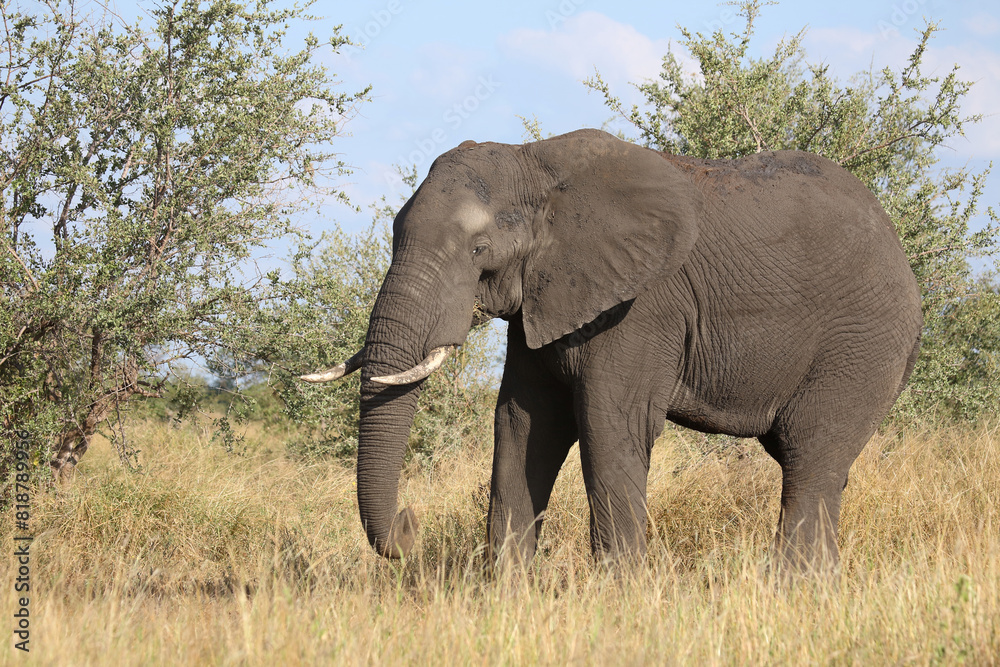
x=257 y=557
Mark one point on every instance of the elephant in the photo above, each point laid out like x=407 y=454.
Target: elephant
x=765 y=297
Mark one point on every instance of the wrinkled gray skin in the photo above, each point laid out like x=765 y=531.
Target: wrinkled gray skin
x=765 y=297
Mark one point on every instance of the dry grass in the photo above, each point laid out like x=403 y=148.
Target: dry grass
x=209 y=558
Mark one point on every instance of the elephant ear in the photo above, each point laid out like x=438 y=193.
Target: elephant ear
x=618 y=218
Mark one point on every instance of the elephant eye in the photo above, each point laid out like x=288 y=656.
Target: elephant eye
x=479 y=250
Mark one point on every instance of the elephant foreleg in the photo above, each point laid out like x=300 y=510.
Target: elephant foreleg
x=534 y=431
x=614 y=451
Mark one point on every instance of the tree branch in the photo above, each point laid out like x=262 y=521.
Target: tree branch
x=934 y=251
x=20 y=261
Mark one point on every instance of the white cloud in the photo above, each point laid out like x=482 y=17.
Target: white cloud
x=857 y=50
x=588 y=40
x=981 y=66
x=445 y=71
x=984 y=25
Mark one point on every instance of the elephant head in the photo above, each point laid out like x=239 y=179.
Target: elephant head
x=554 y=232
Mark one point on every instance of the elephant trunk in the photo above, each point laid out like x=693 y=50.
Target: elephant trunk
x=386 y=417
x=397 y=336
x=420 y=315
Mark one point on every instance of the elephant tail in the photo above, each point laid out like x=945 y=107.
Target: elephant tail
x=910 y=363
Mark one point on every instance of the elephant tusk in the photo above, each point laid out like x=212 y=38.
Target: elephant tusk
x=421 y=370
x=337 y=372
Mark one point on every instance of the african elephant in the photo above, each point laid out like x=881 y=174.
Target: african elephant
x=763 y=297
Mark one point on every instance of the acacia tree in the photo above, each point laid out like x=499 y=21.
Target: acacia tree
x=887 y=128
x=139 y=170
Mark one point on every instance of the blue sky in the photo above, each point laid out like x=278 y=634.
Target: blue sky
x=443 y=72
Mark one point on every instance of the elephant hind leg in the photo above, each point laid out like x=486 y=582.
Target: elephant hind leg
x=816 y=441
x=813 y=477
x=816 y=437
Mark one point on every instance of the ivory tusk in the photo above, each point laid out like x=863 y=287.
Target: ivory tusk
x=337 y=372
x=421 y=370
